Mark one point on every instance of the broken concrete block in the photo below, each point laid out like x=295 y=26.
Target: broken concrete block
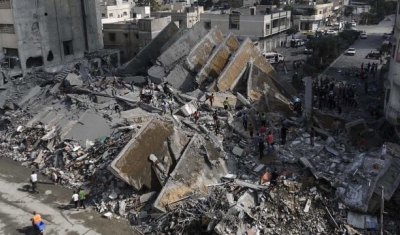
x=237 y=151
x=113 y=195
x=189 y=108
x=308 y=205
x=147 y=197
x=330 y=141
x=259 y=168
x=73 y=80
x=143 y=215
x=108 y=215
x=231 y=200
x=121 y=207
x=332 y=150
x=243 y=99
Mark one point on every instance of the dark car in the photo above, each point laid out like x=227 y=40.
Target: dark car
x=373 y=55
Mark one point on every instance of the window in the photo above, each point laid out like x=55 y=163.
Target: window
x=267 y=29
x=112 y=37
x=234 y=22
x=252 y=11
x=110 y=15
x=103 y=15
x=207 y=25
x=320 y=12
x=125 y=14
x=7 y=28
x=136 y=35
x=5 y=4
x=126 y=35
x=68 y=49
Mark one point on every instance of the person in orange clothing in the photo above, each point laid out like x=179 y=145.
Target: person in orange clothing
x=36 y=218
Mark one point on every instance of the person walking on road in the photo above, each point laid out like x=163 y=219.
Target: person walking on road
x=34 y=182
x=81 y=194
x=75 y=198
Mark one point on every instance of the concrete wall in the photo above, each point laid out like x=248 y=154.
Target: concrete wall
x=270 y=43
x=250 y=26
x=43 y=26
x=186 y=20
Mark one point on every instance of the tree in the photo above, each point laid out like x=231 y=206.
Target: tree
x=287 y=8
x=154 y=5
x=348 y=10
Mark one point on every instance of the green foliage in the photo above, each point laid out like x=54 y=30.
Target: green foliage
x=154 y=5
x=385 y=47
x=287 y=8
x=291 y=31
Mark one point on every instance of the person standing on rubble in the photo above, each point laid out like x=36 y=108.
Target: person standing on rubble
x=251 y=130
x=75 y=199
x=215 y=117
x=117 y=110
x=196 y=116
x=270 y=141
x=256 y=139
x=283 y=134
x=257 y=119
x=217 y=127
x=244 y=121
x=263 y=119
x=165 y=108
x=211 y=99
x=81 y=194
x=226 y=103
x=261 y=147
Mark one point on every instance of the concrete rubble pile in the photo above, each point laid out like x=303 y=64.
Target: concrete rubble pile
x=166 y=172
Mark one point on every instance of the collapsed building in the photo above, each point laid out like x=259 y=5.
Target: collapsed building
x=171 y=174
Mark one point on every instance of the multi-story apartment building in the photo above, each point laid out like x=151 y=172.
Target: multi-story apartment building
x=310 y=15
x=131 y=37
x=49 y=33
x=120 y=9
x=186 y=15
x=256 y=22
x=392 y=85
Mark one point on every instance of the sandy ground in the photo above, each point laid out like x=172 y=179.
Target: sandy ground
x=52 y=202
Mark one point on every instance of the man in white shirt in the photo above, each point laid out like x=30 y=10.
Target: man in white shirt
x=75 y=198
x=34 y=181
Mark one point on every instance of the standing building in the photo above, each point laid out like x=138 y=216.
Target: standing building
x=310 y=15
x=116 y=9
x=392 y=85
x=264 y=24
x=131 y=37
x=48 y=32
x=186 y=15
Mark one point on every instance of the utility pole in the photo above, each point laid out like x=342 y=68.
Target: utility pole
x=382 y=209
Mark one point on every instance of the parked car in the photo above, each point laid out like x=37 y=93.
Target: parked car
x=273 y=57
x=330 y=32
x=373 y=55
x=296 y=42
x=363 y=36
x=307 y=51
x=351 y=51
x=387 y=36
x=353 y=24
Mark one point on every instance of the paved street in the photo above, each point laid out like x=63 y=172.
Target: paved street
x=17 y=205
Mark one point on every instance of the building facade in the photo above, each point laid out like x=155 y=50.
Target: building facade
x=47 y=32
x=132 y=36
x=311 y=15
x=180 y=12
x=392 y=85
x=121 y=9
x=257 y=22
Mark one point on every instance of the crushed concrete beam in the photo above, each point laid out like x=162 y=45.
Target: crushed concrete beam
x=200 y=53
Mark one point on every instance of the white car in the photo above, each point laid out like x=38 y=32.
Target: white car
x=330 y=32
x=351 y=51
x=363 y=36
x=353 y=24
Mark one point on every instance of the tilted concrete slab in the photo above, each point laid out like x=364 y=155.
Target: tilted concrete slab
x=149 y=54
x=192 y=173
x=199 y=55
x=218 y=59
x=246 y=53
x=132 y=164
x=182 y=46
x=181 y=79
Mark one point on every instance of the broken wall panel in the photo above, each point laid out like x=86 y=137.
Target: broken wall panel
x=198 y=57
x=182 y=46
x=132 y=164
x=192 y=173
x=219 y=59
x=149 y=54
x=247 y=52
